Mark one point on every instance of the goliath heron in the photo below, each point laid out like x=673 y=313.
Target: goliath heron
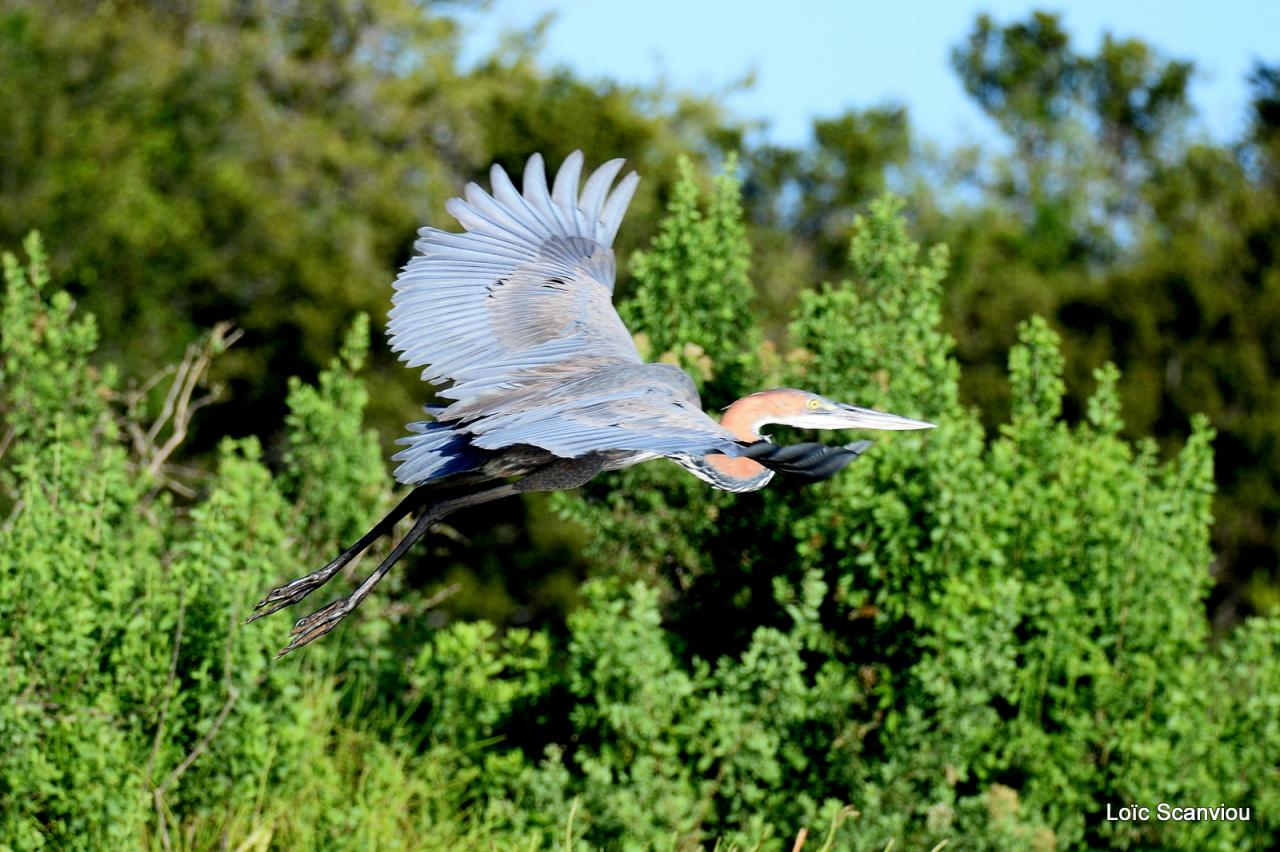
x=547 y=388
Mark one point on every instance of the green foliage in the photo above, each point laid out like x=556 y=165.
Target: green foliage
x=884 y=331
x=1022 y=74
x=333 y=464
x=49 y=387
x=801 y=202
x=1146 y=245
x=135 y=703
x=69 y=531
x=956 y=639
x=692 y=296
x=974 y=640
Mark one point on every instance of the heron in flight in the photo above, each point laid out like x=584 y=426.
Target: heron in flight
x=545 y=384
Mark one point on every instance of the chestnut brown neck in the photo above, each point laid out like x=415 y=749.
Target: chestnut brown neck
x=743 y=419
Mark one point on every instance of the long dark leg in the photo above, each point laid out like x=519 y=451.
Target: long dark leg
x=295 y=590
x=321 y=621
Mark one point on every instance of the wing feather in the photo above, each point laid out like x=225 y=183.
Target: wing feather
x=539 y=196
x=506 y=193
x=516 y=315
x=616 y=207
x=484 y=204
x=564 y=193
x=593 y=196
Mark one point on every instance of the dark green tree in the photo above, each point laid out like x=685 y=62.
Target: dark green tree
x=1146 y=246
x=268 y=163
x=800 y=202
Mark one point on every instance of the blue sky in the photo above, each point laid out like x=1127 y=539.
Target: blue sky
x=819 y=57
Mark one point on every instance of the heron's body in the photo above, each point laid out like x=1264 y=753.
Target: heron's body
x=443 y=446
x=544 y=383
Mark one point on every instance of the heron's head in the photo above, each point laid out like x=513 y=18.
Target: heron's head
x=806 y=410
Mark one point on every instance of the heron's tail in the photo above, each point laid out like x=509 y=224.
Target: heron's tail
x=434 y=450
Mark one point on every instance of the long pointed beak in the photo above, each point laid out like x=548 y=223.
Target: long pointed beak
x=853 y=417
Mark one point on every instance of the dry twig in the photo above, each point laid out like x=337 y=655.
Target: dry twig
x=154 y=444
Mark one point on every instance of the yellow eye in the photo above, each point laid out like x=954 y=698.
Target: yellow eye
x=813 y=404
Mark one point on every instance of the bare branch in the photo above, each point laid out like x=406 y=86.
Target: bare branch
x=168 y=686
x=178 y=403
x=232 y=696
x=6 y=441
x=397 y=611
x=154 y=444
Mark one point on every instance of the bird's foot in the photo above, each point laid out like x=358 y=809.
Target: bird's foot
x=295 y=590
x=313 y=626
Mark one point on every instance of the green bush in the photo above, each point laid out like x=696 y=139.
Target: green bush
x=959 y=638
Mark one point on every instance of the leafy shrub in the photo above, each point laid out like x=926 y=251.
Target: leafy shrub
x=958 y=638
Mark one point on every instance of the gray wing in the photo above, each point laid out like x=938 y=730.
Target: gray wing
x=651 y=408
x=517 y=313
x=525 y=293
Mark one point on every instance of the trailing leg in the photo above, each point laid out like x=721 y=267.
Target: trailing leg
x=295 y=590
x=321 y=621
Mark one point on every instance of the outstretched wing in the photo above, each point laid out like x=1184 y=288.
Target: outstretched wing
x=517 y=313
x=526 y=293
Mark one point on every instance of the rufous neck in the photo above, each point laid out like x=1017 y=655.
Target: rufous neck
x=736 y=474
x=745 y=417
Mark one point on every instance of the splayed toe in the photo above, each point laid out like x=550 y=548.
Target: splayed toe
x=335 y=611
x=317 y=624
